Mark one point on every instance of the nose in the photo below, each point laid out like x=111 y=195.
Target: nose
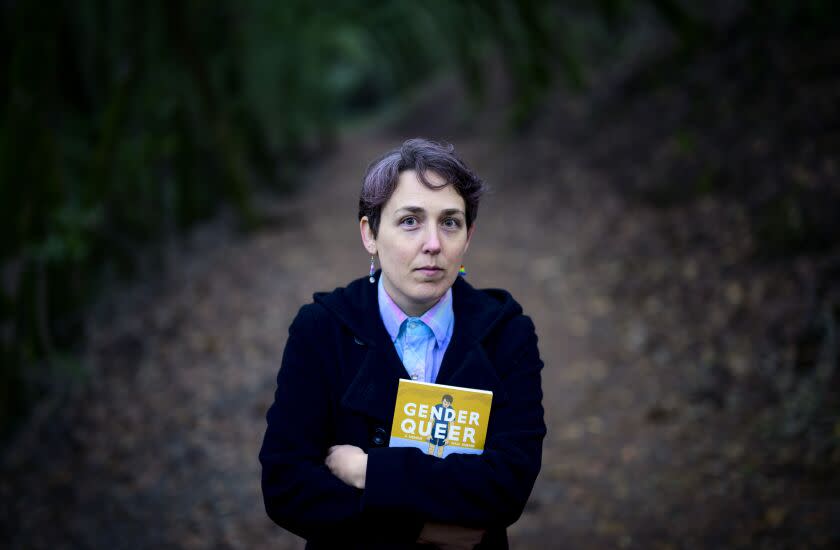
x=432 y=243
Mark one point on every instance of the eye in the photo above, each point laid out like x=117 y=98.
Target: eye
x=409 y=221
x=451 y=223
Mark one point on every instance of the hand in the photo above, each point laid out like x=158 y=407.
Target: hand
x=348 y=463
x=450 y=537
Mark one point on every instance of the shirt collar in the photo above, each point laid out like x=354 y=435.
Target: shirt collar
x=439 y=318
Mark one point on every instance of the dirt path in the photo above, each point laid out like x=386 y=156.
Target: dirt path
x=161 y=449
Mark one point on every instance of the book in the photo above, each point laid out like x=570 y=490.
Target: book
x=440 y=420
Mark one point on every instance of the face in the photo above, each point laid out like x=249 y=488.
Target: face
x=422 y=239
x=446 y=403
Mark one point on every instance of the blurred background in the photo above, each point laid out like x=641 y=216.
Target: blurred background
x=177 y=178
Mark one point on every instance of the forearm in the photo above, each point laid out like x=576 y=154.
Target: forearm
x=470 y=490
x=309 y=501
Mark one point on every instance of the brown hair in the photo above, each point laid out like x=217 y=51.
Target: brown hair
x=420 y=155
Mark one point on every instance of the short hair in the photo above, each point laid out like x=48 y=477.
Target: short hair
x=420 y=155
x=446 y=397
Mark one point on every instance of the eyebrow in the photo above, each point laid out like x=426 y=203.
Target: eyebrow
x=453 y=211
x=421 y=210
x=411 y=209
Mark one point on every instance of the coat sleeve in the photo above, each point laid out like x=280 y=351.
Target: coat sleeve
x=299 y=491
x=484 y=490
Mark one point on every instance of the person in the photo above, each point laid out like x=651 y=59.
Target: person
x=328 y=474
x=440 y=427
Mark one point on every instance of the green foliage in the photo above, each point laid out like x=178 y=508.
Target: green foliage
x=122 y=123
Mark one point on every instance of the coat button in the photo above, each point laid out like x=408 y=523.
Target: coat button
x=378 y=438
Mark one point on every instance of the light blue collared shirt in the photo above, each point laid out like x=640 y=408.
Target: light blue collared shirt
x=426 y=336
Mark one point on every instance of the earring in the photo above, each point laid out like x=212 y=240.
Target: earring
x=462 y=272
x=372 y=269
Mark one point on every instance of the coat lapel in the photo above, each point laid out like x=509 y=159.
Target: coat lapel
x=373 y=389
x=466 y=365
x=465 y=362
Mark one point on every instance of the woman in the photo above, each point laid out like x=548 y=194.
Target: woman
x=328 y=473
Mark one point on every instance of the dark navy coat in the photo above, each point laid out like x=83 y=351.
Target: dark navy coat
x=337 y=385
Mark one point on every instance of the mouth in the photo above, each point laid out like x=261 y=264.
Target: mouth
x=430 y=270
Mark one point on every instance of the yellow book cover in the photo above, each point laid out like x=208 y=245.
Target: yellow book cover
x=440 y=420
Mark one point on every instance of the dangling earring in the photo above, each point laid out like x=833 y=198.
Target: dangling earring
x=462 y=272
x=372 y=270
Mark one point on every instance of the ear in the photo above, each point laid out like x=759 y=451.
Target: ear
x=469 y=236
x=368 y=240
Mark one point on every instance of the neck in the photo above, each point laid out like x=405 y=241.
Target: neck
x=414 y=310
x=411 y=309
